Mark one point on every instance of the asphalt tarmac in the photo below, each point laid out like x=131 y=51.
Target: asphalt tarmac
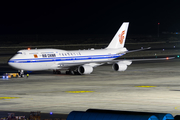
x=145 y=86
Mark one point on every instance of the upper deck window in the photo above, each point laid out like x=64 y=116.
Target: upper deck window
x=19 y=52
x=33 y=53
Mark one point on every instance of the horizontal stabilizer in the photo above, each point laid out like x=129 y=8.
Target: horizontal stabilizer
x=138 y=50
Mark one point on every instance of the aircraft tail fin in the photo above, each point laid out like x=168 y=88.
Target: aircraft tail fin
x=119 y=39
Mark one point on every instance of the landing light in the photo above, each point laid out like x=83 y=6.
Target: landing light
x=29 y=48
x=167 y=58
x=50 y=113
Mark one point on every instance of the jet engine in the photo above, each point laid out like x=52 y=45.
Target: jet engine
x=121 y=66
x=85 y=69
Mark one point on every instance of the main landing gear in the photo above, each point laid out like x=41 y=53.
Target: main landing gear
x=56 y=72
x=72 y=72
x=69 y=72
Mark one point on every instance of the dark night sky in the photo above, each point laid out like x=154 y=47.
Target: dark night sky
x=88 y=17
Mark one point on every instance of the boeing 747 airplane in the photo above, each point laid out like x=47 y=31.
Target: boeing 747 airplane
x=75 y=61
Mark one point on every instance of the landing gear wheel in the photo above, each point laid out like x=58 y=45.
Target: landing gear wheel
x=58 y=72
x=76 y=73
x=67 y=72
x=72 y=72
x=22 y=75
x=54 y=71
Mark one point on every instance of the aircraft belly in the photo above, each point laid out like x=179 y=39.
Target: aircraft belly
x=35 y=66
x=32 y=66
x=68 y=64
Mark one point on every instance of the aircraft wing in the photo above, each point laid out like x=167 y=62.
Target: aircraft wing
x=129 y=61
x=167 y=58
x=98 y=63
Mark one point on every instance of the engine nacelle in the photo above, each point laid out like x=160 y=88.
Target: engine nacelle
x=126 y=62
x=85 y=69
x=119 y=66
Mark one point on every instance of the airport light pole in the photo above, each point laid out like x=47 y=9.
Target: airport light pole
x=158 y=29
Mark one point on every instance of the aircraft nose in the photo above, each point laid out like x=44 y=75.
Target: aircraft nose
x=10 y=62
x=13 y=63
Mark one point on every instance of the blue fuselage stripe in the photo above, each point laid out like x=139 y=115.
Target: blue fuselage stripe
x=56 y=59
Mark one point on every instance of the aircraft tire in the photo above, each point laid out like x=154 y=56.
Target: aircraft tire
x=67 y=72
x=22 y=75
x=58 y=72
x=72 y=72
x=76 y=73
x=54 y=72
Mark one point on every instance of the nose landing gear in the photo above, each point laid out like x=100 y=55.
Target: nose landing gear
x=21 y=73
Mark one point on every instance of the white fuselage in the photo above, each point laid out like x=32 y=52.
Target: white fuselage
x=82 y=60
x=44 y=59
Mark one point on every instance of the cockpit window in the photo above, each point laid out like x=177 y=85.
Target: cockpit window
x=19 y=52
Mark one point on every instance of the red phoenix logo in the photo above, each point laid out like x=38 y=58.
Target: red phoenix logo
x=121 y=37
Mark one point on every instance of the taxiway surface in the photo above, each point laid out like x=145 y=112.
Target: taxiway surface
x=144 y=86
